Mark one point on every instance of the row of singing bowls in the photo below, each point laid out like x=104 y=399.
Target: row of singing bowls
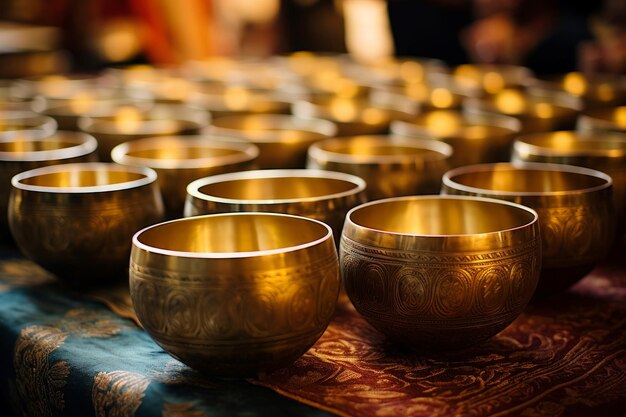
x=282 y=140
x=475 y=138
x=29 y=149
x=235 y=294
x=390 y=166
x=179 y=160
x=574 y=205
x=77 y=220
x=435 y=272
x=317 y=194
x=601 y=151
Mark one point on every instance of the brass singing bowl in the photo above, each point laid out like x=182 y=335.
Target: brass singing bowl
x=160 y=120
x=179 y=160
x=353 y=116
x=440 y=272
x=475 y=138
x=283 y=140
x=235 y=294
x=538 y=112
x=391 y=167
x=16 y=121
x=574 y=206
x=491 y=78
x=599 y=90
x=601 y=151
x=323 y=195
x=77 y=220
x=30 y=149
x=609 y=119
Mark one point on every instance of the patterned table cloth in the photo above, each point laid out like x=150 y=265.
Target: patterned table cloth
x=64 y=353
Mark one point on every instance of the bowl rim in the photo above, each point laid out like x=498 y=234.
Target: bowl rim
x=85 y=144
x=149 y=177
x=527 y=144
x=48 y=124
x=231 y=255
x=441 y=150
x=446 y=180
x=532 y=212
x=597 y=120
x=193 y=189
x=247 y=151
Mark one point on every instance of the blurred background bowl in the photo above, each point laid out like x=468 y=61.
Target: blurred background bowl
x=16 y=121
x=390 y=166
x=608 y=119
x=178 y=160
x=30 y=149
x=475 y=138
x=440 y=272
x=317 y=194
x=283 y=140
x=77 y=220
x=575 y=212
x=235 y=294
x=134 y=122
x=601 y=151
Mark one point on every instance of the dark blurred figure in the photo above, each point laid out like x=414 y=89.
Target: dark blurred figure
x=542 y=34
x=312 y=25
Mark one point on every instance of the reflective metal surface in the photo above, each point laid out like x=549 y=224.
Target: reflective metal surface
x=235 y=294
x=609 y=119
x=574 y=206
x=440 y=272
x=77 y=220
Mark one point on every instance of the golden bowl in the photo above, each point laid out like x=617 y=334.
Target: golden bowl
x=491 y=78
x=134 y=122
x=178 y=160
x=16 y=121
x=600 y=90
x=55 y=85
x=77 y=220
x=574 y=206
x=391 y=167
x=30 y=149
x=355 y=116
x=538 y=112
x=601 y=151
x=235 y=294
x=282 y=140
x=440 y=272
x=323 y=195
x=475 y=138
x=609 y=119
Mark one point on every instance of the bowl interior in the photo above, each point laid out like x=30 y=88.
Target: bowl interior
x=366 y=147
x=572 y=143
x=233 y=234
x=279 y=188
x=437 y=217
x=520 y=180
x=182 y=153
x=443 y=123
x=81 y=178
x=18 y=147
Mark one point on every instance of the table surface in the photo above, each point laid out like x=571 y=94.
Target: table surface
x=66 y=353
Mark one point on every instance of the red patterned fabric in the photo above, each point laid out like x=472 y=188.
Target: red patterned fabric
x=563 y=356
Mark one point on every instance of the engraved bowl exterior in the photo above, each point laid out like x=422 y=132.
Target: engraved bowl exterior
x=235 y=294
x=390 y=166
x=575 y=210
x=77 y=220
x=179 y=160
x=30 y=149
x=323 y=195
x=440 y=272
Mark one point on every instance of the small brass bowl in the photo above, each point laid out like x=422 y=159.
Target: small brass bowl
x=391 y=167
x=574 y=206
x=475 y=138
x=282 y=140
x=538 y=112
x=491 y=78
x=77 y=220
x=601 y=151
x=178 y=160
x=440 y=272
x=609 y=119
x=235 y=294
x=30 y=149
x=600 y=90
x=16 y=121
x=321 y=195
x=134 y=122
x=355 y=116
